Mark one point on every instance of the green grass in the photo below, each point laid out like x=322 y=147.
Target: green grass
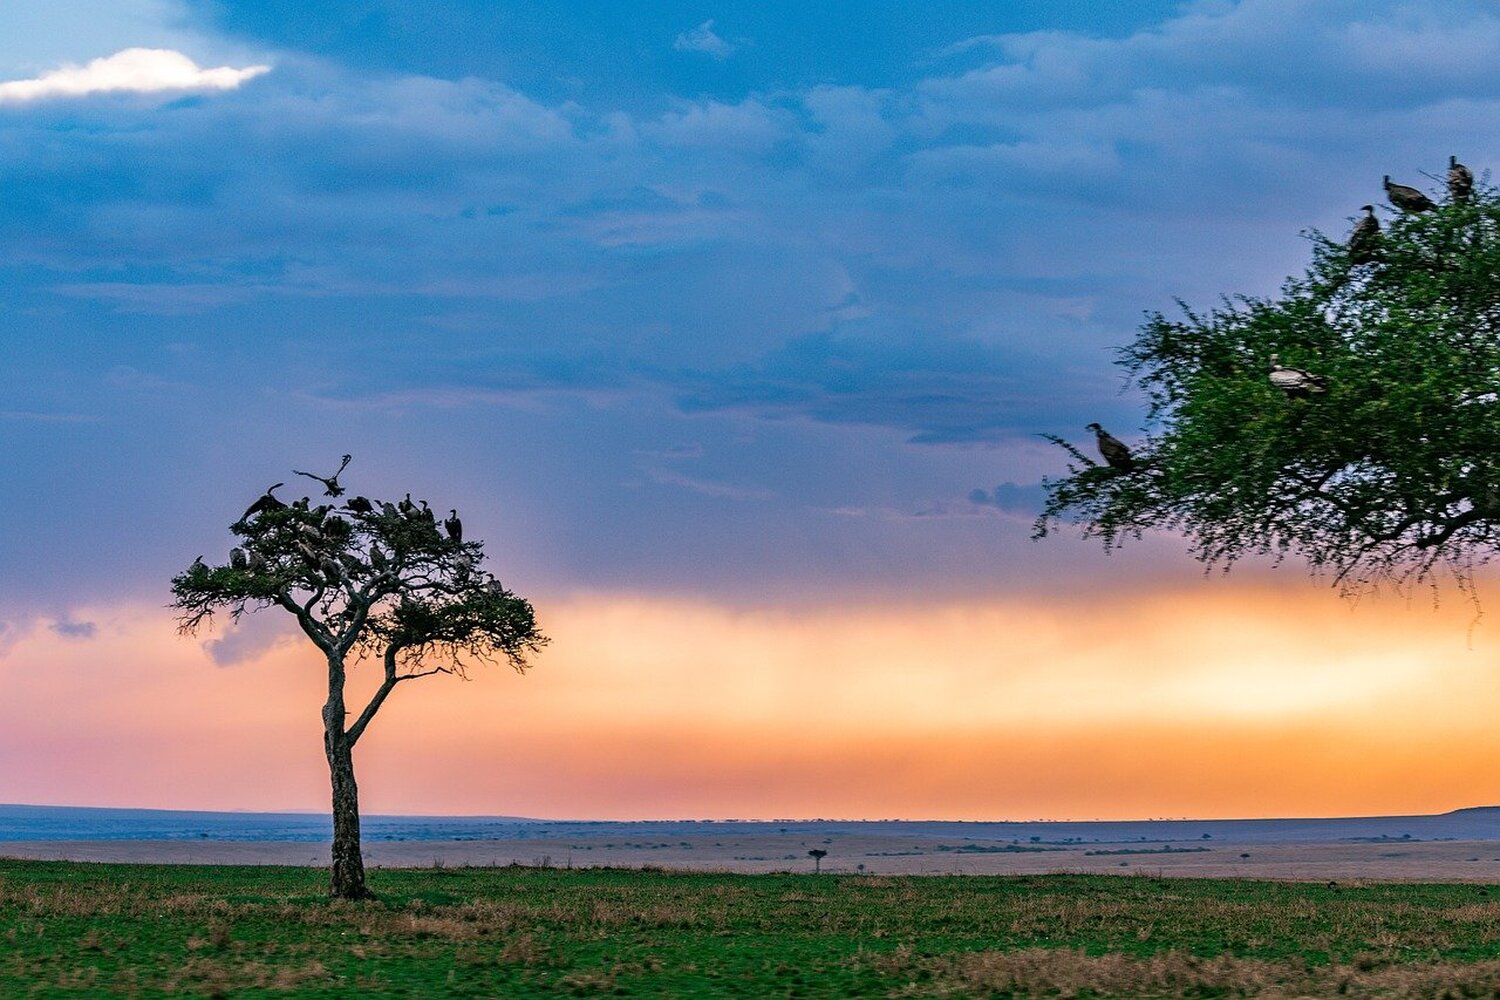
x=145 y=930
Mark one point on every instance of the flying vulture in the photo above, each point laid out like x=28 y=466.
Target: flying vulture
x=1296 y=383
x=454 y=526
x=1460 y=180
x=1113 y=449
x=265 y=502
x=1408 y=199
x=331 y=487
x=1364 y=241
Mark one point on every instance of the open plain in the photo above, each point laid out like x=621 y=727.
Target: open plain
x=1425 y=861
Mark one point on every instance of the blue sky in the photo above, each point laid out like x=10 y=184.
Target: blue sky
x=749 y=301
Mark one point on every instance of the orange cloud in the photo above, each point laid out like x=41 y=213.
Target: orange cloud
x=1224 y=700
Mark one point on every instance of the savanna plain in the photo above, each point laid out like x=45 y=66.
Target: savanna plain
x=89 y=929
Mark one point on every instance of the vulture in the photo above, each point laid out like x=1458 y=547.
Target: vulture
x=427 y=513
x=454 y=526
x=360 y=505
x=332 y=568
x=266 y=502
x=406 y=506
x=1460 y=180
x=378 y=559
x=257 y=562
x=237 y=559
x=1364 y=241
x=389 y=509
x=331 y=487
x=198 y=566
x=1113 y=449
x=1296 y=383
x=1408 y=199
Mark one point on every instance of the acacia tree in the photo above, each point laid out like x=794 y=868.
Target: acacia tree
x=1392 y=474
x=365 y=580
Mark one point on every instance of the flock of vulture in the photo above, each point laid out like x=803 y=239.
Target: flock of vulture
x=324 y=526
x=1364 y=248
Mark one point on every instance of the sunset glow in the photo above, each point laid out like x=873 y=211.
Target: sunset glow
x=1223 y=701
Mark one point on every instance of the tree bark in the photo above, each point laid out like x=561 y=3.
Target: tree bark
x=348 y=869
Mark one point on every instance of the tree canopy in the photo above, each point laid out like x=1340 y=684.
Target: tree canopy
x=1392 y=474
x=385 y=582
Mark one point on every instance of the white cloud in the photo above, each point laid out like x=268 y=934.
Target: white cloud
x=130 y=70
x=703 y=39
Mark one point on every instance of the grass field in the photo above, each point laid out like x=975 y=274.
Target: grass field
x=144 y=930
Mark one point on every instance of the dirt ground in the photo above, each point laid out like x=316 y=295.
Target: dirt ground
x=1436 y=861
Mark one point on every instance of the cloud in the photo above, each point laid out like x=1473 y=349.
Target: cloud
x=703 y=39
x=74 y=630
x=248 y=639
x=1012 y=498
x=140 y=71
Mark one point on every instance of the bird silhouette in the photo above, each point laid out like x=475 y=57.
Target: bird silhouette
x=1296 y=383
x=1364 y=240
x=454 y=526
x=331 y=487
x=267 y=501
x=1408 y=199
x=1460 y=180
x=1113 y=449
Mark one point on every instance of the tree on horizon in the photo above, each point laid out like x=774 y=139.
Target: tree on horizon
x=1383 y=468
x=367 y=579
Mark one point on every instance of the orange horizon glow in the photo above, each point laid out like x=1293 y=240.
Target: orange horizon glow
x=1226 y=700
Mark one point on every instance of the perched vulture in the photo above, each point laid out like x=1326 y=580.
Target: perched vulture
x=1113 y=449
x=265 y=502
x=406 y=506
x=378 y=559
x=257 y=562
x=361 y=505
x=331 y=487
x=1296 y=383
x=1460 y=180
x=1364 y=241
x=427 y=514
x=238 y=559
x=1408 y=199
x=454 y=526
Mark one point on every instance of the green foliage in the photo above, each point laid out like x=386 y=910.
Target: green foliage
x=1393 y=474
x=154 y=930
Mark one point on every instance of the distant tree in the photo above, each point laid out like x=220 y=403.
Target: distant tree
x=365 y=580
x=1382 y=465
x=817 y=854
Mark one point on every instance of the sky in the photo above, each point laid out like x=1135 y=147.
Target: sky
x=732 y=328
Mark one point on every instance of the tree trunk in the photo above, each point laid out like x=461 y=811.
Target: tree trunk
x=348 y=870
